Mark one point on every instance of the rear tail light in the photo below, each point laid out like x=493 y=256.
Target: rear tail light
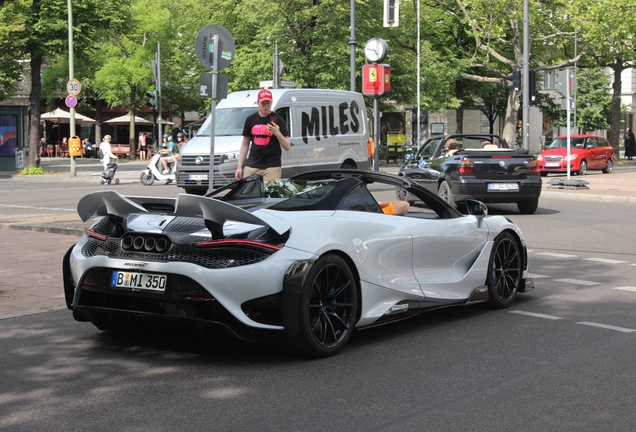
x=466 y=167
x=96 y=235
x=370 y=148
x=533 y=167
x=245 y=243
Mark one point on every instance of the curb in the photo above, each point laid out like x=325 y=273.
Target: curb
x=45 y=229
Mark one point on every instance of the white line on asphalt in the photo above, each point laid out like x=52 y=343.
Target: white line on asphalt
x=537 y=276
x=577 y=282
x=36 y=208
x=609 y=327
x=626 y=288
x=558 y=255
x=537 y=315
x=605 y=260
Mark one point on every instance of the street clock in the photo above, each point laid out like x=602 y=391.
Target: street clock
x=375 y=50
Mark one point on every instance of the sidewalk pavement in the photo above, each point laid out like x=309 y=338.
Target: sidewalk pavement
x=31 y=275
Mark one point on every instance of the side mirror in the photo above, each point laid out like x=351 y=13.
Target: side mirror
x=477 y=209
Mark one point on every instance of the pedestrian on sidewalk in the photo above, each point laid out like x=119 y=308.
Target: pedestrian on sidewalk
x=630 y=144
x=107 y=154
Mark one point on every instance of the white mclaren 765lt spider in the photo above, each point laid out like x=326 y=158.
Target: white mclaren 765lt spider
x=301 y=261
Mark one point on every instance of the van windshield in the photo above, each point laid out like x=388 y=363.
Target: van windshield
x=229 y=121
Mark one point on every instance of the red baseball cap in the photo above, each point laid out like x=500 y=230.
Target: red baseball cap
x=265 y=95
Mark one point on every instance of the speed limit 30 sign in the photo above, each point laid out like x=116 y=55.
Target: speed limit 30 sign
x=73 y=86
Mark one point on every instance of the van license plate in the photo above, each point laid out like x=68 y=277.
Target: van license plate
x=198 y=177
x=503 y=187
x=139 y=281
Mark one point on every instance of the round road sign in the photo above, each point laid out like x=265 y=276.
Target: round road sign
x=204 y=46
x=73 y=86
x=71 y=101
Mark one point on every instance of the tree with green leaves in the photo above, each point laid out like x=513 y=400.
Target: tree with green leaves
x=497 y=29
x=38 y=30
x=608 y=27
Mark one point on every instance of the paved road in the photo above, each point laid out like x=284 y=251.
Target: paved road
x=30 y=280
x=560 y=359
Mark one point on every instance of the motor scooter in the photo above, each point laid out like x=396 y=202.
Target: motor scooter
x=154 y=171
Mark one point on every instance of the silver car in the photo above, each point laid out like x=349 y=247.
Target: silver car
x=301 y=262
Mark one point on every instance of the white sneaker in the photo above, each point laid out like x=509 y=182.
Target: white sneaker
x=165 y=172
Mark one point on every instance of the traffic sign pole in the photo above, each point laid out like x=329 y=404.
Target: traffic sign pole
x=71 y=73
x=215 y=50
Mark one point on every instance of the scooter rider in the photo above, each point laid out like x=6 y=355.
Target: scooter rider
x=166 y=155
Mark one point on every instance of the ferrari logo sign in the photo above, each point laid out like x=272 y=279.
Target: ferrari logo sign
x=376 y=80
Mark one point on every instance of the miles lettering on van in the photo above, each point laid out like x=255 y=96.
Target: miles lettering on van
x=323 y=120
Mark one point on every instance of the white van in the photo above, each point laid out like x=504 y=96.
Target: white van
x=328 y=130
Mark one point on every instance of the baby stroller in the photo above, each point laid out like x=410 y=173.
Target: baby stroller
x=109 y=174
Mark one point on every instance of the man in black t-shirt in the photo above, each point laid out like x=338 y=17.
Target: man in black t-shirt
x=268 y=133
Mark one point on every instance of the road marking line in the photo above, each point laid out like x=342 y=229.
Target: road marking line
x=537 y=276
x=609 y=327
x=577 y=282
x=36 y=208
x=626 y=288
x=536 y=315
x=604 y=260
x=558 y=255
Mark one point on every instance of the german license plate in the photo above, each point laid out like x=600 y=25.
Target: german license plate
x=552 y=165
x=503 y=187
x=139 y=281
x=197 y=177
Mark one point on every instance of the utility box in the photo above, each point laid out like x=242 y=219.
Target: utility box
x=74 y=146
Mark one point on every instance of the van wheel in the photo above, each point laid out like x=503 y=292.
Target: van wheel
x=195 y=191
x=348 y=165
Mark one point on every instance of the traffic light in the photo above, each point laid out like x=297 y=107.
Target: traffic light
x=533 y=84
x=515 y=80
x=152 y=100
x=391 y=13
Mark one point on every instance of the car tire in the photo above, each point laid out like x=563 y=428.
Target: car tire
x=544 y=174
x=402 y=194
x=609 y=167
x=504 y=271
x=528 y=206
x=446 y=193
x=582 y=168
x=328 y=308
x=147 y=180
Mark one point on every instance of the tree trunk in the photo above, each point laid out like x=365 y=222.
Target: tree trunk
x=614 y=134
x=34 y=109
x=510 y=132
x=132 y=139
x=99 y=106
x=459 y=117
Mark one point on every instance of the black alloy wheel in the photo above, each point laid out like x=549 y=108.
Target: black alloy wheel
x=504 y=271
x=329 y=303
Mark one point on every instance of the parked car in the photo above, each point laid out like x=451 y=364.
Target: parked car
x=302 y=262
x=587 y=152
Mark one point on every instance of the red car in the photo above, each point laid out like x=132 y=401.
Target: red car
x=587 y=152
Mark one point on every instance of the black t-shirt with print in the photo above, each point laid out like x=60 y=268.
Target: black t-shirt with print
x=265 y=151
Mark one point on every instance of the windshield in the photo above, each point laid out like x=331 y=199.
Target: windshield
x=428 y=150
x=229 y=121
x=563 y=142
